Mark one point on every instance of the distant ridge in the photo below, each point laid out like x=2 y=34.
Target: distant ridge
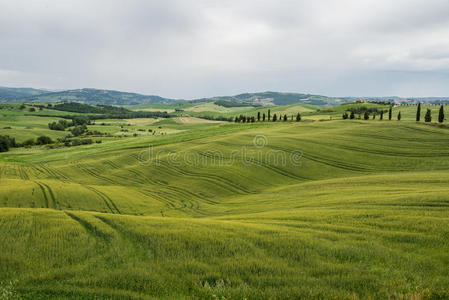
x=277 y=98
x=86 y=95
x=110 y=97
x=7 y=93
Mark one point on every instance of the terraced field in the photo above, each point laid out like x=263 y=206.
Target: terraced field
x=337 y=209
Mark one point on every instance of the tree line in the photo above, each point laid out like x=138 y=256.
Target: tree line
x=367 y=114
x=265 y=117
x=7 y=142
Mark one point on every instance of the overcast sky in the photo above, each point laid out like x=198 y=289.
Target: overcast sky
x=196 y=48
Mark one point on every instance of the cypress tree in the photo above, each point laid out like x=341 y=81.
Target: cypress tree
x=269 y=115
x=274 y=117
x=418 y=113
x=352 y=115
x=298 y=117
x=381 y=114
x=236 y=120
x=374 y=116
x=285 y=118
x=263 y=117
x=390 y=111
x=258 y=116
x=441 y=114
x=428 y=116
x=345 y=116
x=366 y=115
x=399 y=116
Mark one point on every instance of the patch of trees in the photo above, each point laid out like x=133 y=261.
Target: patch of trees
x=86 y=119
x=79 y=130
x=85 y=108
x=7 y=142
x=129 y=115
x=43 y=140
x=218 y=118
x=61 y=125
x=79 y=142
x=362 y=109
x=380 y=102
x=225 y=103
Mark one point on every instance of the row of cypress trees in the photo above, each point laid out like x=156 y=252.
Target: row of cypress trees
x=366 y=115
x=264 y=117
x=428 y=115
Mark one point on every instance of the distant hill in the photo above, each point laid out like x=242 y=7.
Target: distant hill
x=275 y=98
x=90 y=96
x=111 y=97
x=7 y=93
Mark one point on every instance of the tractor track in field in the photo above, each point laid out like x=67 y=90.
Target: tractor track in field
x=180 y=197
x=157 y=196
x=90 y=229
x=268 y=166
x=331 y=162
x=146 y=178
x=43 y=193
x=111 y=164
x=51 y=172
x=130 y=179
x=22 y=173
x=216 y=180
x=52 y=196
x=88 y=170
x=174 y=199
x=48 y=195
x=186 y=192
x=107 y=200
x=421 y=154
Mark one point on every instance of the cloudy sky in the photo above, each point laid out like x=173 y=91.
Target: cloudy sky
x=198 y=48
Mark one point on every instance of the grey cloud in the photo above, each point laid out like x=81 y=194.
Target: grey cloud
x=202 y=48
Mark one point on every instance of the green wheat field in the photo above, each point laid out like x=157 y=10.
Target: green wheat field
x=324 y=208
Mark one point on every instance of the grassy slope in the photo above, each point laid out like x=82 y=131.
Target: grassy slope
x=365 y=214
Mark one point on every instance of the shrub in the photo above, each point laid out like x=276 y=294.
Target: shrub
x=43 y=140
x=79 y=130
x=60 y=125
x=29 y=143
x=6 y=142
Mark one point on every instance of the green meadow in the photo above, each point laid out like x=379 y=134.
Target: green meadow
x=324 y=208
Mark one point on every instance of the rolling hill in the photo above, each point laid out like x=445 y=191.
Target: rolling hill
x=342 y=209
